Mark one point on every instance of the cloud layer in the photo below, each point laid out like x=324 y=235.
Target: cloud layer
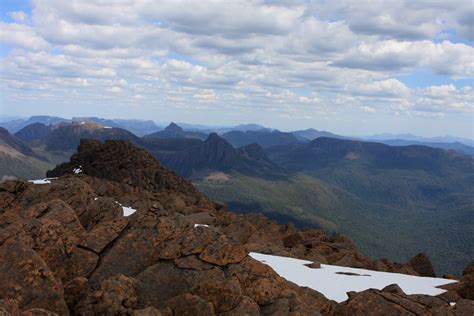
x=299 y=60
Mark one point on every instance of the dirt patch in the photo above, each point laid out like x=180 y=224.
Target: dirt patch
x=217 y=176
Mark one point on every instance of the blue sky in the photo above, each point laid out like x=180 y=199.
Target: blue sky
x=351 y=67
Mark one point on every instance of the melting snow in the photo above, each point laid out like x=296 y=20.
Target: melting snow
x=200 y=225
x=334 y=285
x=42 y=181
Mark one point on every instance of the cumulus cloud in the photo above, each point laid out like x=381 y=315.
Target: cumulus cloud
x=297 y=59
x=21 y=35
x=445 y=98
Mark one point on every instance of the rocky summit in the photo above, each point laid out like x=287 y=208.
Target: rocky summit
x=68 y=246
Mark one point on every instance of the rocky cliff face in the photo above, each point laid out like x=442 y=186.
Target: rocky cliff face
x=217 y=154
x=67 y=248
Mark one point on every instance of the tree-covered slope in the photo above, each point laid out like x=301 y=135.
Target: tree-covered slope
x=379 y=229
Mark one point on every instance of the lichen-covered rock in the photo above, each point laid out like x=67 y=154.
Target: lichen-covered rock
x=26 y=278
x=188 y=304
x=222 y=253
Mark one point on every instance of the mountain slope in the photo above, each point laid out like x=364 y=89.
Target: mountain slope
x=264 y=138
x=35 y=133
x=18 y=160
x=120 y=237
x=137 y=127
x=17 y=144
x=407 y=187
x=216 y=154
x=16 y=125
x=410 y=137
x=380 y=172
x=312 y=133
x=174 y=131
x=457 y=146
x=68 y=136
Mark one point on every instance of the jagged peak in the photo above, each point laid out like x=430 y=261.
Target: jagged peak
x=214 y=137
x=121 y=161
x=173 y=127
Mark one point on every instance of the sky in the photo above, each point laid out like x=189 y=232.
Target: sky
x=351 y=67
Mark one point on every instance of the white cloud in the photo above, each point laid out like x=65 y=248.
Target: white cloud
x=205 y=95
x=367 y=109
x=21 y=35
x=445 y=98
x=115 y=89
x=394 y=56
x=384 y=88
x=298 y=59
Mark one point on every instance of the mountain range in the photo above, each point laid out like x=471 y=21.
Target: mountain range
x=216 y=155
x=114 y=232
x=393 y=201
x=411 y=137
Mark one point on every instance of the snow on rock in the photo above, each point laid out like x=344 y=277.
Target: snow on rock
x=42 y=181
x=200 y=225
x=329 y=281
x=127 y=211
x=77 y=170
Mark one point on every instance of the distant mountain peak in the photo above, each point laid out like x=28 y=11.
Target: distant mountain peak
x=214 y=137
x=173 y=127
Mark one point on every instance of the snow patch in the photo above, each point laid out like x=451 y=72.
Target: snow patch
x=42 y=181
x=127 y=211
x=77 y=170
x=107 y=127
x=335 y=281
x=200 y=225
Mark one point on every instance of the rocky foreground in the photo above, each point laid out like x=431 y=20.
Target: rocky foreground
x=67 y=248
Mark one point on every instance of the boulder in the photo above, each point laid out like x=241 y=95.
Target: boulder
x=422 y=265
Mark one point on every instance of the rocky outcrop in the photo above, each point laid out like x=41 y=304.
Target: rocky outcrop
x=70 y=250
x=393 y=301
x=120 y=161
x=422 y=265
